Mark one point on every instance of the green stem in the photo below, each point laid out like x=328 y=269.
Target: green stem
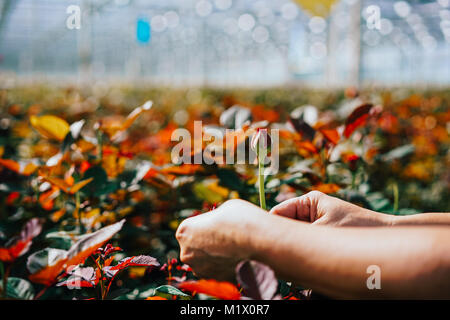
x=99 y=145
x=396 y=198
x=41 y=293
x=5 y=272
x=353 y=180
x=109 y=284
x=262 y=194
x=77 y=210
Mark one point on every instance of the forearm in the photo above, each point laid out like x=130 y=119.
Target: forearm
x=368 y=218
x=436 y=218
x=414 y=262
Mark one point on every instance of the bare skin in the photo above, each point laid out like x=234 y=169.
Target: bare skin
x=301 y=242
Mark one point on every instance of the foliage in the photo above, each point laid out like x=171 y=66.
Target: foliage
x=87 y=185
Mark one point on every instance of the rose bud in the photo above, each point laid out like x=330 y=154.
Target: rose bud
x=263 y=136
x=352 y=161
x=261 y=144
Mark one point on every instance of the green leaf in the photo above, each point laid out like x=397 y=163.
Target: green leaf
x=17 y=288
x=284 y=287
x=407 y=211
x=202 y=192
x=100 y=185
x=43 y=258
x=166 y=289
x=60 y=240
x=230 y=179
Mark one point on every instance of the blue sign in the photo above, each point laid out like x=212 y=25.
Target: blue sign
x=143 y=32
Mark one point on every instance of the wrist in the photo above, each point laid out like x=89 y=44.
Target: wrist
x=384 y=219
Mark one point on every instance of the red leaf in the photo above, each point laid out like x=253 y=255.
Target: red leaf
x=80 y=278
x=136 y=261
x=83 y=248
x=303 y=128
x=76 y=283
x=107 y=250
x=19 y=245
x=13 y=196
x=84 y=166
x=357 y=119
x=221 y=290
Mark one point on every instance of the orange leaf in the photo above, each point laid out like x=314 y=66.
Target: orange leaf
x=23 y=167
x=132 y=117
x=78 y=186
x=59 y=183
x=155 y=298
x=66 y=187
x=306 y=145
x=58 y=214
x=135 y=114
x=221 y=290
x=327 y=188
x=46 y=198
x=184 y=169
x=5 y=255
x=357 y=119
x=331 y=135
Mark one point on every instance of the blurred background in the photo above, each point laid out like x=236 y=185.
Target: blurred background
x=227 y=43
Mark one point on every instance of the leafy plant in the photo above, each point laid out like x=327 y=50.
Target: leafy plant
x=76 y=164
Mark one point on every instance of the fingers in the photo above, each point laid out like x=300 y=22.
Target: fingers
x=287 y=208
x=302 y=208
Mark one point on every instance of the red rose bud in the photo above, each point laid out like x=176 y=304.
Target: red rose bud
x=352 y=160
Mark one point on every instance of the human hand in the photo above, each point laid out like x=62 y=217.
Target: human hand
x=214 y=243
x=321 y=209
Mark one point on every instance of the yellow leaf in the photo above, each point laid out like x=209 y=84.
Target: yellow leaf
x=137 y=272
x=210 y=192
x=50 y=126
x=174 y=224
x=214 y=187
x=317 y=7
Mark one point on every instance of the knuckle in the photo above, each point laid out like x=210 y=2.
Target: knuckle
x=315 y=194
x=181 y=230
x=185 y=258
x=232 y=202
